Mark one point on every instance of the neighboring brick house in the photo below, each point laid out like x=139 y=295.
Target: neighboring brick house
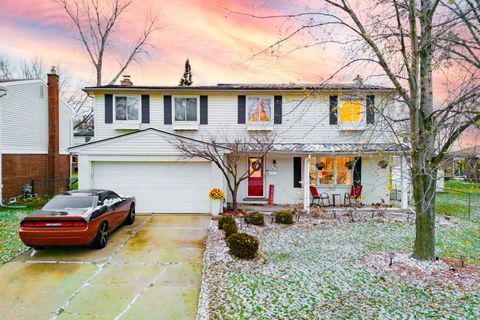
x=35 y=134
x=321 y=130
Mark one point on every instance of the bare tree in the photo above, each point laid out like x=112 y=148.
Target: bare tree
x=95 y=22
x=406 y=42
x=228 y=155
x=32 y=69
x=5 y=68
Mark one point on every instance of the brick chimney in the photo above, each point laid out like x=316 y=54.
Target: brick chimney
x=126 y=81
x=53 y=129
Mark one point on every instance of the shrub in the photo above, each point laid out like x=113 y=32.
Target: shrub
x=284 y=217
x=229 y=228
x=242 y=245
x=224 y=220
x=255 y=218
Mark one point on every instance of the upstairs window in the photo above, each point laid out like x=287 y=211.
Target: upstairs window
x=127 y=108
x=186 y=109
x=259 y=109
x=351 y=110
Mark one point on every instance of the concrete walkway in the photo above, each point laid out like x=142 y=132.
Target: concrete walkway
x=150 y=270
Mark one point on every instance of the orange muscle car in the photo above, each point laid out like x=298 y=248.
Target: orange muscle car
x=77 y=218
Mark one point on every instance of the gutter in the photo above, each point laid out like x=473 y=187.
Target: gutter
x=171 y=89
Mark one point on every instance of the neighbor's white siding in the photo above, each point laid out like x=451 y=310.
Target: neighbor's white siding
x=24 y=120
x=65 y=129
x=304 y=122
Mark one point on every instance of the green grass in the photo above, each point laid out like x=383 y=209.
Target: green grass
x=454 y=201
x=74 y=185
x=463 y=186
x=10 y=244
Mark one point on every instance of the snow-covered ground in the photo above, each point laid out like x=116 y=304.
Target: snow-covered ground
x=336 y=269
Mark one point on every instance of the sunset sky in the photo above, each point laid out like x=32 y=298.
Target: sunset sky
x=218 y=43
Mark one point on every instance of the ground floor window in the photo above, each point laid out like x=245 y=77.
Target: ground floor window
x=331 y=170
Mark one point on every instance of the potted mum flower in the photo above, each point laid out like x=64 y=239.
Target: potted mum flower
x=217 y=196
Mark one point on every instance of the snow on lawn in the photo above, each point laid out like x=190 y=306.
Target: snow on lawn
x=339 y=270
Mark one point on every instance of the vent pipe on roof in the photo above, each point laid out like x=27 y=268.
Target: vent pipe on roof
x=126 y=81
x=358 y=80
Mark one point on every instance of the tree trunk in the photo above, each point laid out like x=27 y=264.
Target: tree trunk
x=234 y=199
x=424 y=186
x=99 y=74
x=424 y=172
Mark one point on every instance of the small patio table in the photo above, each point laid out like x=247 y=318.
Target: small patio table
x=339 y=198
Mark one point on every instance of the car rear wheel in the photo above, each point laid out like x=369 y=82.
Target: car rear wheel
x=131 y=215
x=101 y=238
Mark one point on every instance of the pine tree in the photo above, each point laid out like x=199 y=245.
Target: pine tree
x=187 y=75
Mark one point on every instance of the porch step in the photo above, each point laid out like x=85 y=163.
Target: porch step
x=255 y=200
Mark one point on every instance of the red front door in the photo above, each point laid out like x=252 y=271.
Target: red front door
x=255 y=179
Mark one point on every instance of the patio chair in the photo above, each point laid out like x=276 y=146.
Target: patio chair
x=354 y=193
x=319 y=197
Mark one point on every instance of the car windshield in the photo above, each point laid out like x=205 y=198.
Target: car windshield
x=69 y=202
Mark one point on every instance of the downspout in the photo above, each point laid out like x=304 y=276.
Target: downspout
x=306 y=184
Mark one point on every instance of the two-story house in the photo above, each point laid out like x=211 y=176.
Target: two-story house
x=35 y=134
x=320 y=130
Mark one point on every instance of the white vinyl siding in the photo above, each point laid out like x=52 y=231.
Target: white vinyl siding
x=303 y=122
x=65 y=129
x=24 y=119
x=24 y=126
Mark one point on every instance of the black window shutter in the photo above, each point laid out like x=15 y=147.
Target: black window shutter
x=203 y=109
x=370 y=109
x=297 y=172
x=357 y=171
x=108 y=108
x=145 y=108
x=277 y=110
x=242 y=101
x=333 y=109
x=167 y=109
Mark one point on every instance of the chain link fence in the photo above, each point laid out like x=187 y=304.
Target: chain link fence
x=52 y=187
x=462 y=204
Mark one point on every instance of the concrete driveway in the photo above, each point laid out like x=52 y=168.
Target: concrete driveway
x=150 y=270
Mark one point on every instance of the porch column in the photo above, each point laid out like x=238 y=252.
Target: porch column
x=306 y=184
x=404 y=182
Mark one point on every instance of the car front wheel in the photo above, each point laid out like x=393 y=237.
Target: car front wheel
x=101 y=238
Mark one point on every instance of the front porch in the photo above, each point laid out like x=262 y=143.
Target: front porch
x=283 y=178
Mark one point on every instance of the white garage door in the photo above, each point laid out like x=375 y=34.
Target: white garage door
x=163 y=187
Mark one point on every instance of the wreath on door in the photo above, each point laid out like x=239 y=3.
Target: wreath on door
x=256 y=165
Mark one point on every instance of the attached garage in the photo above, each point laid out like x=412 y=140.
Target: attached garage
x=147 y=166
x=164 y=187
